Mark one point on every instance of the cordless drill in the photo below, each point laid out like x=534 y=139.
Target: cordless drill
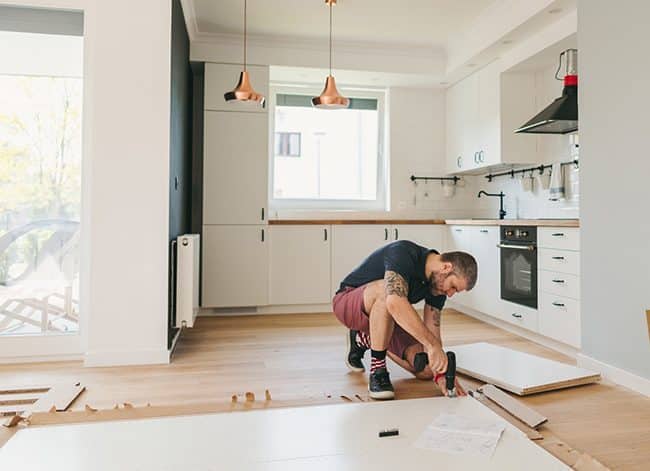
x=421 y=361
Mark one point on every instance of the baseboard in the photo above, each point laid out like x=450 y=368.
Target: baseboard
x=266 y=310
x=125 y=358
x=41 y=358
x=527 y=334
x=616 y=375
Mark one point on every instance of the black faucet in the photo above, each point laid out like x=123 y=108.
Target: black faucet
x=502 y=213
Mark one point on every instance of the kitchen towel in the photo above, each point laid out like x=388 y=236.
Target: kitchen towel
x=556 y=188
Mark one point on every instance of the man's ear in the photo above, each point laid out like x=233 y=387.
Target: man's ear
x=447 y=267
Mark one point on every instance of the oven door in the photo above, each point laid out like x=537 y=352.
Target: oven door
x=519 y=273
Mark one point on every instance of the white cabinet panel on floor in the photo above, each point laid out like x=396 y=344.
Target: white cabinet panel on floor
x=235 y=266
x=299 y=271
x=351 y=244
x=235 y=162
x=221 y=78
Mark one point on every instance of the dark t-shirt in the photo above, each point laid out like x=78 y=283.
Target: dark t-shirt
x=403 y=257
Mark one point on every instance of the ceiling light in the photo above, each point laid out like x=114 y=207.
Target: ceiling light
x=330 y=98
x=244 y=90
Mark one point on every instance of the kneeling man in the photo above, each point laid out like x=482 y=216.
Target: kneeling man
x=375 y=302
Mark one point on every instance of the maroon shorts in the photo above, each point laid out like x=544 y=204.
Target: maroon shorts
x=349 y=310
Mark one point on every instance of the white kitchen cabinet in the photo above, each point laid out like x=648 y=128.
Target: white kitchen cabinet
x=482 y=112
x=427 y=235
x=235 y=163
x=559 y=284
x=221 y=78
x=559 y=318
x=486 y=294
x=459 y=239
x=351 y=244
x=235 y=266
x=299 y=264
x=522 y=316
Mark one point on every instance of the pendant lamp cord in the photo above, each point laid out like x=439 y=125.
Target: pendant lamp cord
x=245 y=35
x=331 y=37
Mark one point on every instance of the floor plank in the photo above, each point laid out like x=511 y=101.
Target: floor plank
x=300 y=357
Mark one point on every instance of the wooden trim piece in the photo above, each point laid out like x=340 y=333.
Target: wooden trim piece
x=517 y=408
x=325 y=222
x=14 y=399
x=25 y=389
x=530 y=432
x=153 y=411
x=60 y=396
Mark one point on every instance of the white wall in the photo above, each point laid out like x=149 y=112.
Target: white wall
x=125 y=194
x=614 y=102
x=128 y=53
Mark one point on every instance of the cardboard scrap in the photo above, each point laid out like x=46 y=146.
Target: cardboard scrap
x=514 y=406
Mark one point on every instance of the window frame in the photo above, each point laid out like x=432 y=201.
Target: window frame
x=380 y=203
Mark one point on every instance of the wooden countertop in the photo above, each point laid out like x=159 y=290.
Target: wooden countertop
x=284 y=222
x=458 y=222
x=515 y=222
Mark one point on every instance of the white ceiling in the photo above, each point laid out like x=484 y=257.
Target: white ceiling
x=423 y=23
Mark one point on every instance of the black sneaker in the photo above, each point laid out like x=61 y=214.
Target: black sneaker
x=380 y=386
x=355 y=353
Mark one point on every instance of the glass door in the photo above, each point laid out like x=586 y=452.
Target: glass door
x=41 y=90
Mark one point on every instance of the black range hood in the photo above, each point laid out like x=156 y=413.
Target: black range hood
x=561 y=116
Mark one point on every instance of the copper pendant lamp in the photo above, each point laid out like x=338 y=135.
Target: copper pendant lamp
x=330 y=98
x=244 y=90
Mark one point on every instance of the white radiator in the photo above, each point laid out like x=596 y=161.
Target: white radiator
x=187 y=279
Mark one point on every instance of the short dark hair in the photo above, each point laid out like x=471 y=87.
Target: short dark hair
x=463 y=265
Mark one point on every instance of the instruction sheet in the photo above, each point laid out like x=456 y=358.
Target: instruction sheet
x=458 y=434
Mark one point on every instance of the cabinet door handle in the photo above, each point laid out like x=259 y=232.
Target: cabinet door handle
x=555 y=303
x=458 y=230
x=396 y=234
x=557 y=258
x=325 y=234
x=481 y=155
x=385 y=233
x=558 y=281
x=262 y=235
x=262 y=214
x=518 y=316
x=459 y=161
x=484 y=231
x=558 y=234
x=475 y=157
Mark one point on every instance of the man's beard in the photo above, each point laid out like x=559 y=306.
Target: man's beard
x=436 y=280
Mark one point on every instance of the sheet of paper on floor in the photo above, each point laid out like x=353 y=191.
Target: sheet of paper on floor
x=454 y=433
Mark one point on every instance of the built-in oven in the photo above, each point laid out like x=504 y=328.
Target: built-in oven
x=519 y=265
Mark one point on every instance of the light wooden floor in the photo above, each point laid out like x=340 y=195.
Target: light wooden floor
x=300 y=357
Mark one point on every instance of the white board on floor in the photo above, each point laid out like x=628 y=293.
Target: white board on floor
x=342 y=437
x=518 y=372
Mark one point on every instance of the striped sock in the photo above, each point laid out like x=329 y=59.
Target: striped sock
x=363 y=340
x=378 y=360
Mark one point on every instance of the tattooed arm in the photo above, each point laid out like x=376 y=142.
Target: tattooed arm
x=402 y=311
x=432 y=320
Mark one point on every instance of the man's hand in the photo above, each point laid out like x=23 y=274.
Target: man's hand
x=442 y=384
x=437 y=360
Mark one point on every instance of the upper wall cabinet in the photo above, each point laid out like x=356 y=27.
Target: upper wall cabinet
x=235 y=163
x=482 y=112
x=221 y=78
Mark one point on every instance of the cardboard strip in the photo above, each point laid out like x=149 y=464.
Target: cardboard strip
x=517 y=408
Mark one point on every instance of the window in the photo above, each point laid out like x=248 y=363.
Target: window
x=327 y=159
x=41 y=89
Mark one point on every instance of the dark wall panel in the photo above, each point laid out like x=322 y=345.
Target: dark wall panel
x=180 y=166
